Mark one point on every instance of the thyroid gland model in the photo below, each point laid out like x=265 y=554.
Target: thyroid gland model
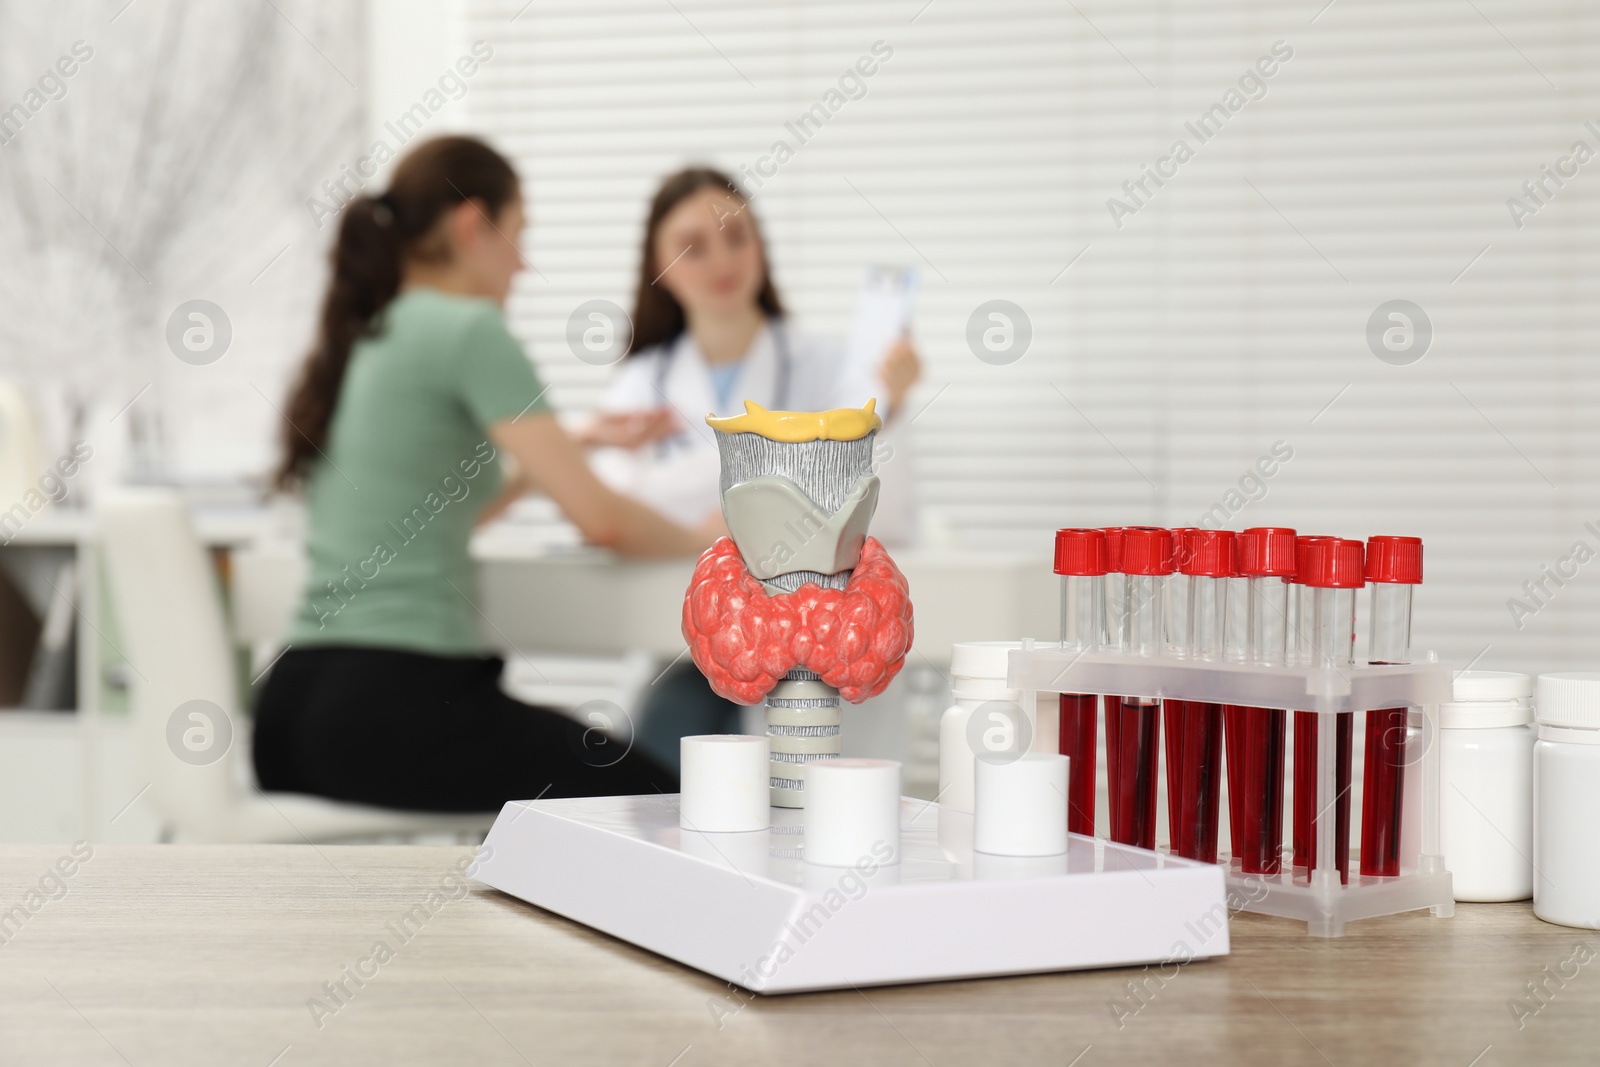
x=800 y=606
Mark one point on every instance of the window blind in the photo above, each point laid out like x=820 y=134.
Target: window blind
x=1207 y=326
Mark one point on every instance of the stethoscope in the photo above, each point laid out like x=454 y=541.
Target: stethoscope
x=780 y=400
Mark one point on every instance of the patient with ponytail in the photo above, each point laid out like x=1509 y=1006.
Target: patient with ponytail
x=415 y=416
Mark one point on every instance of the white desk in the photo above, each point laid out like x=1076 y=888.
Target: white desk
x=584 y=600
x=533 y=598
x=589 y=601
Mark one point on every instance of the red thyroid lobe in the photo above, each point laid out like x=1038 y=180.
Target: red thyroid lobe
x=745 y=639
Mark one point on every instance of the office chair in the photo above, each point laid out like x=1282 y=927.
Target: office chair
x=174 y=637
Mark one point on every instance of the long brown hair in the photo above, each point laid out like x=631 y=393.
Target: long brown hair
x=657 y=316
x=377 y=234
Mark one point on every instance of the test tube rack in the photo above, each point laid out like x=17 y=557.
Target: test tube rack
x=1317 y=897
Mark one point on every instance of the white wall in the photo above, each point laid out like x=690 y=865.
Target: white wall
x=410 y=43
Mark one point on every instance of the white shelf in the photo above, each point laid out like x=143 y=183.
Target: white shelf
x=1049 y=669
x=748 y=909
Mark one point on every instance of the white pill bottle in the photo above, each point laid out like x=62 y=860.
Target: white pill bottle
x=1486 y=738
x=1001 y=726
x=1566 y=800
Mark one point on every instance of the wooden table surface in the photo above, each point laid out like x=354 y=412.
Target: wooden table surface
x=155 y=955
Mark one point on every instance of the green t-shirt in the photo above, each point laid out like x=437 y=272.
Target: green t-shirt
x=408 y=468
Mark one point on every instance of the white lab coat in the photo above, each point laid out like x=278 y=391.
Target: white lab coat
x=678 y=476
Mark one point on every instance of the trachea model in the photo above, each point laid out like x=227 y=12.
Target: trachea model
x=800 y=606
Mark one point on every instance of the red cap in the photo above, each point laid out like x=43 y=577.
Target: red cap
x=1300 y=544
x=1146 y=550
x=1180 y=550
x=1335 y=563
x=1397 y=560
x=1081 y=552
x=1267 y=551
x=1208 y=553
x=1113 y=548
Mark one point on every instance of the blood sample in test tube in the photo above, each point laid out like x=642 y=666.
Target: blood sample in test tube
x=1194 y=728
x=1334 y=569
x=1178 y=644
x=1133 y=730
x=1081 y=562
x=1117 y=584
x=1255 y=736
x=1302 y=652
x=1394 y=570
x=1178 y=641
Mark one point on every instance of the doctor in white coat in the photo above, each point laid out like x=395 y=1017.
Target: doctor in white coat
x=709 y=332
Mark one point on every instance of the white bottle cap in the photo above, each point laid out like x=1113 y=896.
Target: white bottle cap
x=852 y=812
x=1021 y=805
x=978 y=670
x=1569 y=700
x=1491 y=685
x=725 y=783
x=981 y=659
x=1485 y=699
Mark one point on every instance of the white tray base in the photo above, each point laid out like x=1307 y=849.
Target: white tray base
x=747 y=909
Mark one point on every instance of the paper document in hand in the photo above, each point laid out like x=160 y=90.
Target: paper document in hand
x=883 y=313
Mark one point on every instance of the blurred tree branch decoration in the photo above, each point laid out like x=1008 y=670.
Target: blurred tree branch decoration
x=169 y=165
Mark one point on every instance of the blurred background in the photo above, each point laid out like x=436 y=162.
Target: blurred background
x=1327 y=265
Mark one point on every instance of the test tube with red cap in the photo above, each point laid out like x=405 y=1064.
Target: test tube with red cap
x=1116 y=607
x=1303 y=651
x=1081 y=563
x=1236 y=630
x=1255 y=736
x=1116 y=592
x=1300 y=644
x=1133 y=729
x=1334 y=569
x=1194 y=728
x=1179 y=636
x=1178 y=644
x=1394 y=570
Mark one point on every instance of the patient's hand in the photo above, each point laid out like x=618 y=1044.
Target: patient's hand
x=628 y=429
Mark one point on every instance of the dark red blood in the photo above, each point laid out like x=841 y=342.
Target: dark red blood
x=744 y=639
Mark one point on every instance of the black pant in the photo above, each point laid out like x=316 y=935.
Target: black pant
x=402 y=729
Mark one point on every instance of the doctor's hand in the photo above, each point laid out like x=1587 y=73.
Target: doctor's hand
x=899 y=371
x=628 y=429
